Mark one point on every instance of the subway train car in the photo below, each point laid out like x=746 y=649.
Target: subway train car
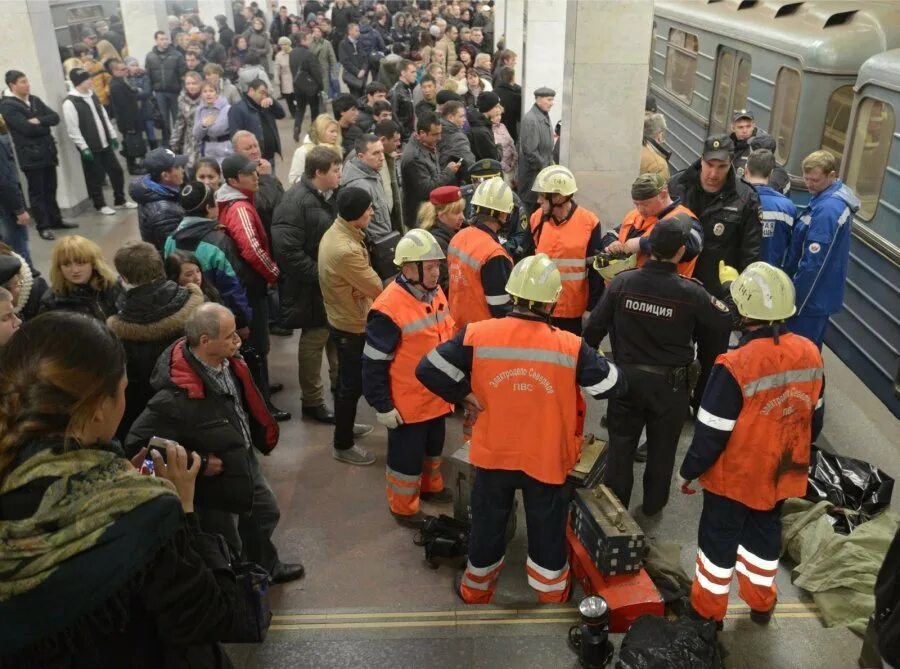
x=816 y=74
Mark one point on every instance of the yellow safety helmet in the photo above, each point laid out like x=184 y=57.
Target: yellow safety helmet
x=609 y=269
x=535 y=279
x=494 y=194
x=416 y=246
x=764 y=293
x=555 y=179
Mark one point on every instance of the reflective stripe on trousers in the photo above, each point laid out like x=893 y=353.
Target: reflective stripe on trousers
x=478 y=583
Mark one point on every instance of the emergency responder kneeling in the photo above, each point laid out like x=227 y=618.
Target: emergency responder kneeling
x=406 y=321
x=522 y=377
x=478 y=265
x=568 y=234
x=651 y=313
x=759 y=414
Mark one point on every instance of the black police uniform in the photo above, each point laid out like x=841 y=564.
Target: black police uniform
x=651 y=313
x=731 y=232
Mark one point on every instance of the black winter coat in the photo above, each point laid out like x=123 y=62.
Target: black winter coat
x=247 y=115
x=267 y=198
x=165 y=69
x=34 y=145
x=730 y=220
x=189 y=409
x=305 y=71
x=481 y=136
x=159 y=211
x=85 y=299
x=511 y=98
x=126 y=107
x=443 y=235
x=300 y=221
x=151 y=317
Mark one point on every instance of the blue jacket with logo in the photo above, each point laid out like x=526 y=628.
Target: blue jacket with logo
x=820 y=250
x=778 y=215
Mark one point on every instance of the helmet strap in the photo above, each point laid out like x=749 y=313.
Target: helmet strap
x=554 y=206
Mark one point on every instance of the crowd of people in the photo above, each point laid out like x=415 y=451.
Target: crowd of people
x=430 y=246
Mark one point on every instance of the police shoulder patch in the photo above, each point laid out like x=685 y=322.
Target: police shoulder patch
x=815 y=247
x=719 y=304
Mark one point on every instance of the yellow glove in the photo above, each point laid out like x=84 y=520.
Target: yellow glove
x=727 y=274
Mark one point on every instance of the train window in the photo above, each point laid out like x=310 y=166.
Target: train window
x=784 y=111
x=837 y=118
x=869 y=152
x=681 y=63
x=731 y=88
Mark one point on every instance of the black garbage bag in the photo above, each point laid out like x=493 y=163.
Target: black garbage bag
x=654 y=642
x=857 y=489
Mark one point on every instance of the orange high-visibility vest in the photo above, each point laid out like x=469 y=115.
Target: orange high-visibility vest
x=634 y=221
x=567 y=245
x=767 y=456
x=422 y=327
x=523 y=373
x=469 y=251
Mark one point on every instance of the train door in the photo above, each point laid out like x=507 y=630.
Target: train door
x=731 y=88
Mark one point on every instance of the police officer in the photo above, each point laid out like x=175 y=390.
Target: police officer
x=761 y=411
x=743 y=133
x=522 y=377
x=651 y=313
x=652 y=203
x=568 y=233
x=728 y=210
x=478 y=265
x=408 y=319
x=515 y=236
x=820 y=247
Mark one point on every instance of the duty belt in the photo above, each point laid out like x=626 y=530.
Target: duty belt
x=677 y=376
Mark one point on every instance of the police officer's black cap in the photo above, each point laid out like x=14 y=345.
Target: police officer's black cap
x=718 y=147
x=670 y=234
x=486 y=167
x=738 y=114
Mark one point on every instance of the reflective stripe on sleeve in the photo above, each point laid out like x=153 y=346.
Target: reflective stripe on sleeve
x=497 y=300
x=373 y=353
x=605 y=384
x=441 y=363
x=715 y=422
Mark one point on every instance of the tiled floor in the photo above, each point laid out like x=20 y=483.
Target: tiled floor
x=368 y=599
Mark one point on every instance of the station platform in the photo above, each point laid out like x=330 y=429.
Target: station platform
x=369 y=600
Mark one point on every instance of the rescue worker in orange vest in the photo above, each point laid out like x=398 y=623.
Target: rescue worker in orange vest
x=650 y=313
x=652 y=203
x=477 y=263
x=521 y=376
x=568 y=234
x=760 y=412
x=408 y=319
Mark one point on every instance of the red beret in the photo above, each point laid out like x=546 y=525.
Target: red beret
x=445 y=195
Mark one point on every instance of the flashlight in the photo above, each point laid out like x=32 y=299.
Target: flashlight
x=589 y=640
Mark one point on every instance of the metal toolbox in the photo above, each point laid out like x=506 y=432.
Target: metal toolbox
x=459 y=477
x=591 y=466
x=613 y=540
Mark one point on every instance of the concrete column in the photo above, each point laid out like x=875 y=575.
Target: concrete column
x=603 y=99
x=509 y=22
x=544 y=50
x=141 y=19
x=209 y=9
x=28 y=43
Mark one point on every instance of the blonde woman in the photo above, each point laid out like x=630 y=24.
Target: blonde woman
x=323 y=131
x=283 y=78
x=81 y=280
x=443 y=216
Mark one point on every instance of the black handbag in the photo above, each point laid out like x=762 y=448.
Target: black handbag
x=133 y=145
x=381 y=254
x=352 y=80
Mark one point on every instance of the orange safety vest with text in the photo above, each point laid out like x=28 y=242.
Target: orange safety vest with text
x=767 y=456
x=422 y=328
x=634 y=221
x=567 y=244
x=470 y=249
x=523 y=374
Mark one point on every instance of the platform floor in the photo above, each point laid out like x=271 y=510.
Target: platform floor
x=368 y=600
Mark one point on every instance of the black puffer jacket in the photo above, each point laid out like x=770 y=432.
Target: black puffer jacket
x=159 y=211
x=35 y=147
x=443 y=235
x=300 y=221
x=189 y=409
x=165 y=69
x=481 y=136
x=730 y=220
x=85 y=299
x=151 y=317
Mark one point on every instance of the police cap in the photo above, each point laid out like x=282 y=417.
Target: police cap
x=718 y=147
x=486 y=168
x=670 y=234
x=738 y=114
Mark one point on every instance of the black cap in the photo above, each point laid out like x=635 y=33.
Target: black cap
x=237 y=164
x=443 y=97
x=487 y=101
x=160 y=160
x=352 y=203
x=738 y=114
x=486 y=167
x=9 y=267
x=670 y=234
x=763 y=141
x=718 y=147
x=78 y=76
